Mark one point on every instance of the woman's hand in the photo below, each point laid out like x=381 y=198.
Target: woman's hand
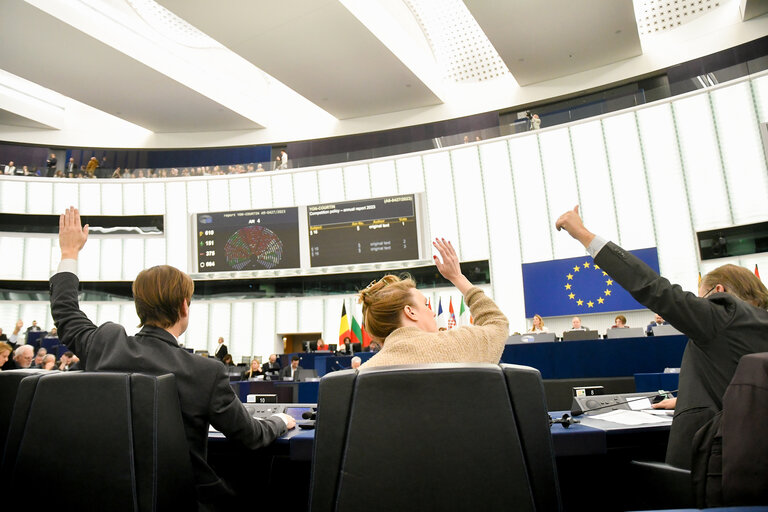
x=449 y=267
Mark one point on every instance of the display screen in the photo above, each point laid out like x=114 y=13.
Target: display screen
x=365 y=231
x=248 y=240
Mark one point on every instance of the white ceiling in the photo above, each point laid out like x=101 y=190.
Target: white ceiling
x=317 y=48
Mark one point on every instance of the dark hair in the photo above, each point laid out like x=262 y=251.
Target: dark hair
x=159 y=292
x=295 y=358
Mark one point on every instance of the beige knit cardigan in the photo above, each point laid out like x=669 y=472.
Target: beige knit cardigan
x=482 y=342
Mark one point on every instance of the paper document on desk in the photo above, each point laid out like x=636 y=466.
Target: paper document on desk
x=625 y=417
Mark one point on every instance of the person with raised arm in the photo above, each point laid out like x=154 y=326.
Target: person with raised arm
x=397 y=316
x=724 y=321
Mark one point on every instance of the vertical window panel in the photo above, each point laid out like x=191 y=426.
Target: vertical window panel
x=154 y=252
x=265 y=339
x=383 y=178
x=287 y=320
x=39 y=198
x=305 y=187
x=470 y=203
x=677 y=256
x=134 y=199
x=64 y=196
x=197 y=196
x=13 y=196
x=133 y=258
x=261 y=192
x=108 y=312
x=89 y=260
x=37 y=258
x=13 y=266
x=177 y=226
x=9 y=314
x=197 y=331
x=742 y=151
x=630 y=189
x=111 y=199
x=241 y=331
x=410 y=176
x=533 y=218
x=128 y=318
x=311 y=315
x=239 y=194
x=331 y=184
x=440 y=198
x=112 y=259
x=357 y=182
x=282 y=190
x=503 y=234
x=154 y=198
x=218 y=194
x=760 y=94
x=34 y=311
x=560 y=177
x=90 y=199
x=219 y=324
x=701 y=162
x=594 y=180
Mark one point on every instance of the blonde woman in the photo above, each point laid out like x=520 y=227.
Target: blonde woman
x=538 y=325
x=397 y=316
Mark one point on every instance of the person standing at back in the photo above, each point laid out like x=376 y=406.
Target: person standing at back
x=162 y=295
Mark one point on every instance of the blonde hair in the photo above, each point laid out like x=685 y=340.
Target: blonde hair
x=383 y=302
x=533 y=323
x=740 y=282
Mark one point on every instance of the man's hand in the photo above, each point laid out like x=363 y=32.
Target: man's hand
x=72 y=236
x=668 y=403
x=18 y=326
x=288 y=420
x=572 y=223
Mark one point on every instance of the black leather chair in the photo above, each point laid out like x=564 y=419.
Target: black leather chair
x=9 y=386
x=433 y=437
x=99 y=441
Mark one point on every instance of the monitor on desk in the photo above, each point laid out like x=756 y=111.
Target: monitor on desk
x=531 y=337
x=629 y=332
x=664 y=330
x=580 y=335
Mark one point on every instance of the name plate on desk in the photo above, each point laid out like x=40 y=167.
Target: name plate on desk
x=261 y=399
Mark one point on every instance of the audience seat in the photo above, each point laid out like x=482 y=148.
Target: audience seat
x=9 y=386
x=99 y=441
x=433 y=437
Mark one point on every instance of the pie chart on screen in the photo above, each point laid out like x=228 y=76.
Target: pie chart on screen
x=253 y=247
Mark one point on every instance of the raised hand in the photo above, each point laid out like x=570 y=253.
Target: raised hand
x=572 y=223
x=72 y=235
x=449 y=267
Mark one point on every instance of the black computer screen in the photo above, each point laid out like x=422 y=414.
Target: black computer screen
x=364 y=231
x=247 y=240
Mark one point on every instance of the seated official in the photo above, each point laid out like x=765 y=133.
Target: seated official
x=49 y=362
x=322 y=345
x=293 y=371
x=5 y=353
x=23 y=356
x=227 y=360
x=620 y=322
x=657 y=320
x=355 y=363
x=37 y=362
x=538 y=325
x=252 y=372
x=271 y=368
x=576 y=325
x=724 y=321
x=396 y=314
x=162 y=295
x=345 y=347
x=69 y=361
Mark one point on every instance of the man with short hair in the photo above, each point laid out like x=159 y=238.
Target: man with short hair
x=657 y=320
x=292 y=372
x=9 y=169
x=162 y=295
x=23 y=356
x=49 y=362
x=222 y=351
x=69 y=362
x=271 y=368
x=576 y=324
x=356 y=362
x=38 y=362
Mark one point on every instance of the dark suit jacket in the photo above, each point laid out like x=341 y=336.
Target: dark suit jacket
x=286 y=372
x=270 y=369
x=204 y=391
x=720 y=328
x=221 y=352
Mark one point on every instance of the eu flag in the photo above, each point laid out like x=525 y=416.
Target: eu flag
x=574 y=286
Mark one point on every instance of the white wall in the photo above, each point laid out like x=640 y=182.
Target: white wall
x=651 y=176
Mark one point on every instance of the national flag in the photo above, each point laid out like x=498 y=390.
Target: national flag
x=441 y=320
x=357 y=332
x=575 y=286
x=464 y=317
x=451 y=315
x=756 y=272
x=699 y=283
x=366 y=336
x=429 y=304
x=344 y=330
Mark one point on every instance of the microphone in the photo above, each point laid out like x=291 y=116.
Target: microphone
x=309 y=415
x=661 y=395
x=566 y=421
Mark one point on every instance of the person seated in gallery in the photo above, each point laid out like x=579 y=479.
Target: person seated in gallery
x=252 y=372
x=397 y=315
x=538 y=325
